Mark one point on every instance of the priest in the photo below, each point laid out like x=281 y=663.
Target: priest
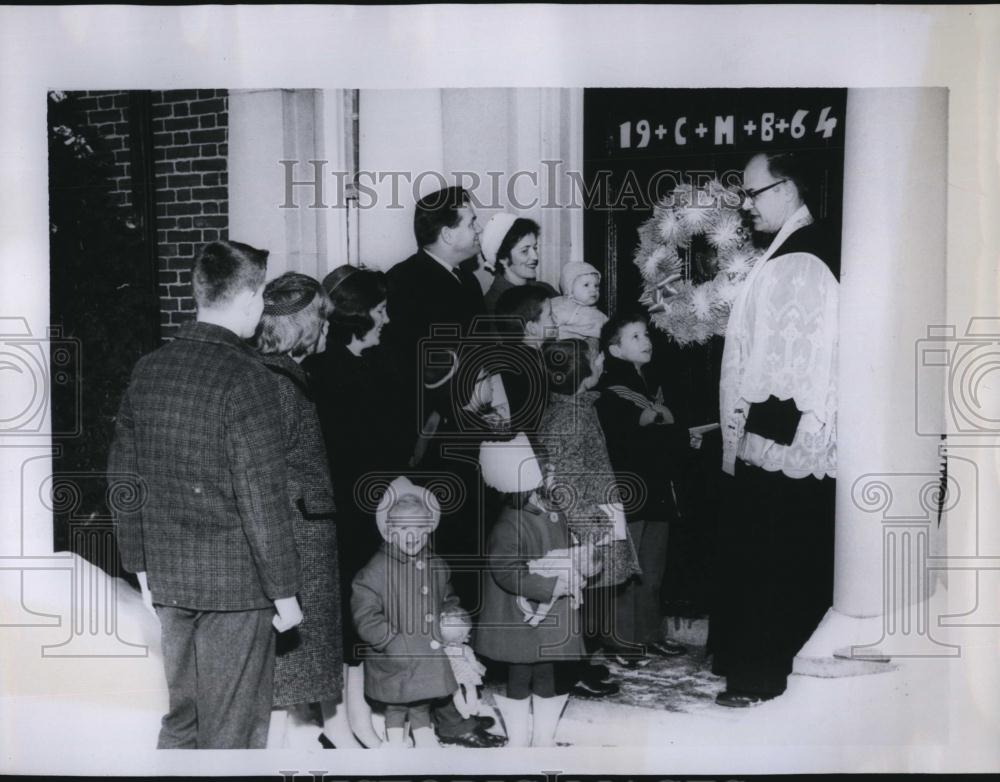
x=778 y=408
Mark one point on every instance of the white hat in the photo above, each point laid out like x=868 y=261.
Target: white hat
x=510 y=466
x=399 y=488
x=493 y=235
x=436 y=373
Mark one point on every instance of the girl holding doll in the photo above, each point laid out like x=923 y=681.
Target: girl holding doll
x=529 y=618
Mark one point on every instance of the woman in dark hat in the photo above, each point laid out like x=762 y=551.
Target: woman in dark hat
x=309 y=666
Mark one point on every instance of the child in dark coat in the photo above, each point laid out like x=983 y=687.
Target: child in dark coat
x=398 y=600
x=643 y=442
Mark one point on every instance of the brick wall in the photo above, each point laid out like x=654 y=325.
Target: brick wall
x=107 y=114
x=190 y=135
x=190 y=149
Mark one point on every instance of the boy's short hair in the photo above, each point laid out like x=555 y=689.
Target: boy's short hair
x=519 y=306
x=223 y=269
x=436 y=211
x=567 y=364
x=612 y=330
x=354 y=293
x=295 y=308
x=520 y=228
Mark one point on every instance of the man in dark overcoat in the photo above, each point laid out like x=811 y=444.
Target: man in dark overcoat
x=433 y=303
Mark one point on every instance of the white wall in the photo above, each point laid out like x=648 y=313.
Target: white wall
x=411 y=142
x=399 y=131
x=307 y=231
x=422 y=133
x=256 y=179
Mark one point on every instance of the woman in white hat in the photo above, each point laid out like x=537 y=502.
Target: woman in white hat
x=510 y=248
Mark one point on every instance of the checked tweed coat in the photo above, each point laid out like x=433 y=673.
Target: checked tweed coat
x=200 y=425
x=308 y=666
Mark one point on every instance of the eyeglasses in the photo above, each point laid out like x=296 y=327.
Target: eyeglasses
x=752 y=194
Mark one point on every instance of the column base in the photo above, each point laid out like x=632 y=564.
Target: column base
x=18 y=589
x=842 y=646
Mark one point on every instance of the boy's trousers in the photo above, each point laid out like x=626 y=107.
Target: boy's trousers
x=220 y=671
x=638 y=619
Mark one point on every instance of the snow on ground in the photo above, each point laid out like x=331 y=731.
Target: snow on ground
x=100 y=714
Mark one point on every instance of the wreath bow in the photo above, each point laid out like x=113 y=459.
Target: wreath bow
x=690 y=311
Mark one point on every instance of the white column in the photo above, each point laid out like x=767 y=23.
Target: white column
x=892 y=289
x=493 y=141
x=26 y=445
x=25 y=347
x=266 y=209
x=335 y=143
x=401 y=158
x=305 y=223
x=561 y=152
x=256 y=178
x=547 y=144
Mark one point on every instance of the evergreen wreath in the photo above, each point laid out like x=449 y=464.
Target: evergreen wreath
x=696 y=245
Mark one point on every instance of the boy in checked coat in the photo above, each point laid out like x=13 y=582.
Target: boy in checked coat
x=213 y=545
